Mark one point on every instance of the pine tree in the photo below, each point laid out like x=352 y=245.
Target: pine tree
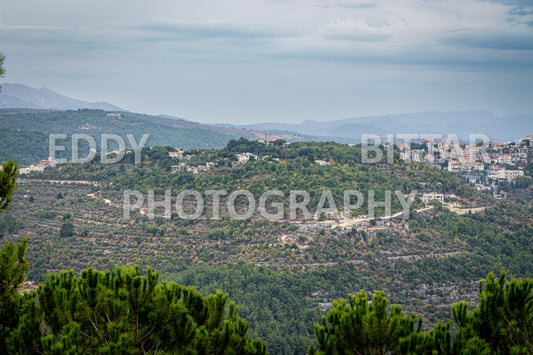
x=361 y=327
x=123 y=311
x=8 y=177
x=502 y=324
x=13 y=268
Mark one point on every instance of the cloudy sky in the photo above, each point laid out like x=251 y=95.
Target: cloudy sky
x=273 y=60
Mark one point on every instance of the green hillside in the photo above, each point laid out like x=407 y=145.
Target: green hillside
x=26 y=147
x=284 y=274
x=27 y=130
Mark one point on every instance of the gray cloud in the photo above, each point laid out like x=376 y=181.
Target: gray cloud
x=519 y=3
x=442 y=60
x=521 y=11
x=211 y=29
x=358 y=37
x=489 y=40
x=347 y=5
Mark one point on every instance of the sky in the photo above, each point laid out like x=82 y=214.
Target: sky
x=252 y=61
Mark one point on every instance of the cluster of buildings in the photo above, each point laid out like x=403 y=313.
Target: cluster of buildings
x=179 y=154
x=39 y=167
x=242 y=158
x=501 y=162
x=185 y=168
x=467 y=157
x=499 y=173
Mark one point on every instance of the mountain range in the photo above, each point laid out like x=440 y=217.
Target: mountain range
x=22 y=96
x=348 y=130
x=460 y=123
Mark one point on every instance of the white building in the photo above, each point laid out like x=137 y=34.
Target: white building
x=511 y=175
x=505 y=159
x=182 y=168
x=504 y=174
x=478 y=166
x=177 y=154
x=31 y=168
x=453 y=166
x=427 y=198
x=243 y=158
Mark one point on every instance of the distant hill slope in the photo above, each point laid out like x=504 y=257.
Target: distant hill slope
x=22 y=96
x=462 y=123
x=27 y=130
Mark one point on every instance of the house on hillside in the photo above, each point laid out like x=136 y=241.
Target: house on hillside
x=428 y=197
x=48 y=162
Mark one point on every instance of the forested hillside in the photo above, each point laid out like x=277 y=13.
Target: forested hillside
x=26 y=147
x=27 y=131
x=123 y=311
x=29 y=128
x=284 y=274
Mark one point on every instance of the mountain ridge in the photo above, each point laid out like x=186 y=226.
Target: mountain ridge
x=15 y=95
x=463 y=123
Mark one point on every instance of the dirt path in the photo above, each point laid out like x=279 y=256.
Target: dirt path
x=385 y=260
x=465 y=210
x=350 y=222
x=84 y=182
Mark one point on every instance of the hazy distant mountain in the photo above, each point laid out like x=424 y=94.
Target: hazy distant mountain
x=462 y=123
x=22 y=96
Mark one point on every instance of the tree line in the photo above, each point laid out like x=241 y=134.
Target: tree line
x=129 y=312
